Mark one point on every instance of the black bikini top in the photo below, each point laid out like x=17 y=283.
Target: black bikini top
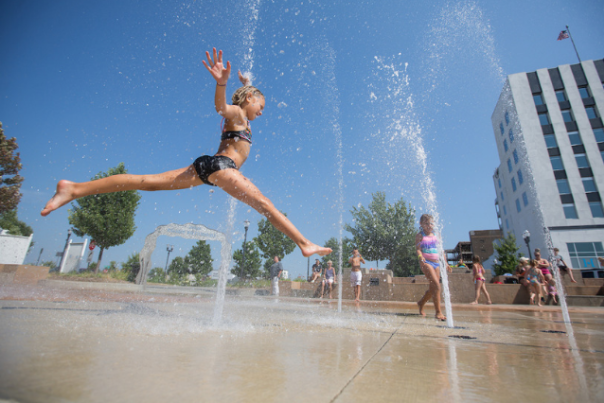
x=242 y=134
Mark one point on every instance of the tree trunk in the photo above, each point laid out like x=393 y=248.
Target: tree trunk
x=98 y=263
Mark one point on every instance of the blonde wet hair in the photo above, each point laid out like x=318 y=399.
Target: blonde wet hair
x=239 y=97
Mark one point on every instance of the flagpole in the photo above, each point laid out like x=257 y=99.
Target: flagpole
x=571 y=39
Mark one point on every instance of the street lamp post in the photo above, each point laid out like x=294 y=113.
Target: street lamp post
x=526 y=235
x=169 y=248
x=246 y=225
x=69 y=232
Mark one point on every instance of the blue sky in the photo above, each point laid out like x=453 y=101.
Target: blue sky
x=85 y=86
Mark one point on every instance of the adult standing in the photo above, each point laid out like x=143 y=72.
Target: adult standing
x=562 y=266
x=275 y=270
x=356 y=277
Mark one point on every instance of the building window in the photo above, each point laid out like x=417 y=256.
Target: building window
x=515 y=154
x=538 y=99
x=507 y=224
x=525 y=199
x=501 y=193
x=584 y=255
x=550 y=141
x=557 y=163
x=591 y=112
x=599 y=133
x=518 y=205
x=584 y=92
x=560 y=95
x=563 y=186
x=582 y=160
x=507 y=118
x=544 y=119
x=509 y=165
x=520 y=177
x=514 y=184
x=499 y=180
x=570 y=211
x=505 y=145
x=590 y=185
x=501 y=128
x=575 y=138
x=567 y=116
x=596 y=209
x=511 y=134
x=505 y=211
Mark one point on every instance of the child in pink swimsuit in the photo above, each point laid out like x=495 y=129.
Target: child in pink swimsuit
x=479 y=280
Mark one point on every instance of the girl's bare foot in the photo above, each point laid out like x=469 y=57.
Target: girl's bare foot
x=473 y=303
x=440 y=316
x=311 y=249
x=489 y=303
x=573 y=281
x=421 y=309
x=63 y=196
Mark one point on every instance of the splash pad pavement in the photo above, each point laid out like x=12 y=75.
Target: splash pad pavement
x=98 y=346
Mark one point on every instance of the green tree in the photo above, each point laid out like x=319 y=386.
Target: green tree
x=178 y=267
x=49 y=263
x=272 y=242
x=108 y=218
x=385 y=231
x=132 y=266
x=10 y=222
x=10 y=180
x=199 y=259
x=347 y=247
x=253 y=261
x=507 y=255
x=157 y=275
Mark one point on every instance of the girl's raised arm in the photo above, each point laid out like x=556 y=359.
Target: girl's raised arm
x=221 y=74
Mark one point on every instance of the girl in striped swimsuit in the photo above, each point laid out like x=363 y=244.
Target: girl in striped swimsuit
x=427 y=251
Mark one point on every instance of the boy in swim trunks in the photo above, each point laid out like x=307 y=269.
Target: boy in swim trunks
x=221 y=169
x=356 y=276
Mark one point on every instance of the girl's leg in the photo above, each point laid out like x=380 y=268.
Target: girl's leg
x=241 y=188
x=477 y=293
x=426 y=270
x=484 y=288
x=67 y=191
x=434 y=279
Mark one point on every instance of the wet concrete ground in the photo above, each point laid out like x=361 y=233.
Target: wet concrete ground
x=74 y=346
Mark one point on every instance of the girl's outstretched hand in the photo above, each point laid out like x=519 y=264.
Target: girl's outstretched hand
x=216 y=67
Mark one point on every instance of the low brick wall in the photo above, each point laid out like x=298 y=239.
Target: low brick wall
x=22 y=274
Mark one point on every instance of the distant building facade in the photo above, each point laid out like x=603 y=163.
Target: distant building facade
x=550 y=138
x=481 y=244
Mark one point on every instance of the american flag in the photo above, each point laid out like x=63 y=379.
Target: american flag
x=563 y=35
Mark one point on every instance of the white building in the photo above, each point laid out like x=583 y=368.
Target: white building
x=550 y=138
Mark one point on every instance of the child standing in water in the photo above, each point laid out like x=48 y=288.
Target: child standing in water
x=220 y=170
x=427 y=251
x=479 y=280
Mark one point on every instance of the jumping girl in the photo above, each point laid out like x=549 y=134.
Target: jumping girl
x=479 y=280
x=220 y=170
x=427 y=252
